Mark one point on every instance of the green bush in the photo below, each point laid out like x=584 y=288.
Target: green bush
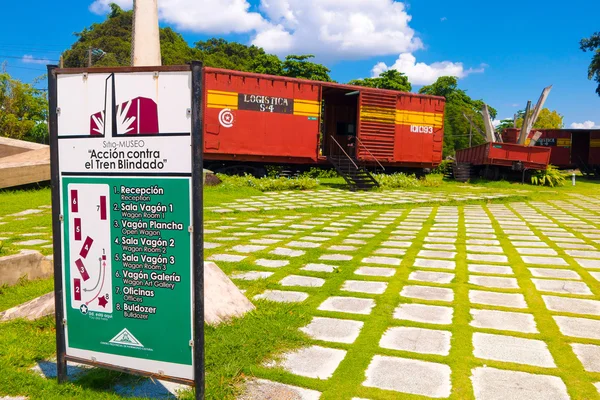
x=403 y=181
x=321 y=173
x=268 y=184
x=443 y=168
x=551 y=176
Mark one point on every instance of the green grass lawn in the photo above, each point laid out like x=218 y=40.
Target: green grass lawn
x=239 y=349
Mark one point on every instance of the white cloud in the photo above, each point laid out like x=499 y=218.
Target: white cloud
x=420 y=73
x=497 y=122
x=585 y=125
x=330 y=29
x=207 y=16
x=102 y=6
x=443 y=19
x=334 y=29
x=29 y=59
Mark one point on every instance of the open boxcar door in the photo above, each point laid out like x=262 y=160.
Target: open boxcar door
x=376 y=127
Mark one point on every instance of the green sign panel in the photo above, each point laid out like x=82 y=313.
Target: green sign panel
x=127 y=266
x=128 y=285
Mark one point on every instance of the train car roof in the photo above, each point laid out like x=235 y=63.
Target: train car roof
x=326 y=84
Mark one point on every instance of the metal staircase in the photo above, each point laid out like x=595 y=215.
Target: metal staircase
x=586 y=170
x=351 y=169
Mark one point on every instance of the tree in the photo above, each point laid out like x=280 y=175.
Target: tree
x=390 y=79
x=299 y=67
x=592 y=44
x=546 y=120
x=505 y=124
x=456 y=127
x=112 y=41
x=112 y=36
x=23 y=111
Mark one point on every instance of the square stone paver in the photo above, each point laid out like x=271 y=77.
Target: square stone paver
x=428 y=293
x=394 y=243
x=282 y=296
x=583 y=253
x=439 y=246
x=283 y=251
x=485 y=249
x=319 y=268
x=304 y=245
x=369 y=287
x=554 y=273
x=335 y=257
x=437 y=254
x=441 y=264
x=226 y=257
x=306 y=281
x=544 y=260
x=512 y=349
x=375 y=271
x=439 y=315
x=487 y=258
x=578 y=327
x=417 y=340
x=264 y=389
x=390 y=251
x=352 y=305
x=409 y=376
x=558 y=286
x=382 y=260
x=248 y=248
x=312 y=362
x=513 y=300
x=342 y=248
x=588 y=264
x=498 y=384
x=503 y=320
x=589 y=355
x=571 y=305
x=535 y=251
x=490 y=269
x=494 y=282
x=32 y=242
x=433 y=277
x=271 y=263
x=333 y=329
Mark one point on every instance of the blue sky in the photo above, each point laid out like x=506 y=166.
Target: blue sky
x=506 y=52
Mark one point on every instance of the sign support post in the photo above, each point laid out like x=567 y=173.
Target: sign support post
x=61 y=361
x=198 y=223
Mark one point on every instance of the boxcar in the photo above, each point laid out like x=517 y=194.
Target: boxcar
x=500 y=160
x=251 y=120
x=570 y=148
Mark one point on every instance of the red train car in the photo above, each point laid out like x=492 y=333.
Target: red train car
x=252 y=120
x=570 y=148
x=499 y=160
x=505 y=155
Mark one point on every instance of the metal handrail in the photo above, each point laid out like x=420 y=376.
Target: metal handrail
x=341 y=148
x=369 y=151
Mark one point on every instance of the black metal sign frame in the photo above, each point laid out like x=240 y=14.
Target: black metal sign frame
x=197 y=223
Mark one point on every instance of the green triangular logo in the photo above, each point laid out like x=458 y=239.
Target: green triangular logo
x=126 y=338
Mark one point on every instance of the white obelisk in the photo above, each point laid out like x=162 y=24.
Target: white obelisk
x=145 y=38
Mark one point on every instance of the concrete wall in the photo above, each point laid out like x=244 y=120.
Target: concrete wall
x=29 y=263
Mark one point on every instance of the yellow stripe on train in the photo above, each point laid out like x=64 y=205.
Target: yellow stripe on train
x=401 y=117
x=218 y=99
